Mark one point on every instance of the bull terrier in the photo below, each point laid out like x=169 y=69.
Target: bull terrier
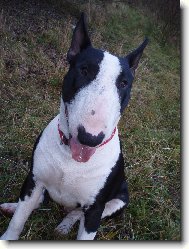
x=78 y=158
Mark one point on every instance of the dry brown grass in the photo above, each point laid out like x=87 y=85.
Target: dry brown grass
x=34 y=38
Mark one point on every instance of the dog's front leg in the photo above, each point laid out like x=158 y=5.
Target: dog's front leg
x=22 y=212
x=90 y=222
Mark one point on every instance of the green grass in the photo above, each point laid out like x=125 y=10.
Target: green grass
x=32 y=66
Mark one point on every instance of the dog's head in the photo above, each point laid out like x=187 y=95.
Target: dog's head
x=96 y=90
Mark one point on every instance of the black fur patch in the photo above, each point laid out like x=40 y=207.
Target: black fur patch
x=124 y=84
x=88 y=139
x=115 y=187
x=82 y=71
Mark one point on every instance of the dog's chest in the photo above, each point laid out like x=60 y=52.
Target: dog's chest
x=69 y=182
x=73 y=188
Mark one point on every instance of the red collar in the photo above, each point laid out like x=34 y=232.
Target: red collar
x=63 y=138
x=107 y=140
x=65 y=141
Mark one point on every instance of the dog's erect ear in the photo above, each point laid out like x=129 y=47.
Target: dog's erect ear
x=80 y=39
x=134 y=57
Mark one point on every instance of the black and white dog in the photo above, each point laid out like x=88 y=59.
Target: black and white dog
x=77 y=159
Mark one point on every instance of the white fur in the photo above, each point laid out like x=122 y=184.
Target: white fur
x=22 y=213
x=65 y=226
x=82 y=233
x=70 y=182
x=100 y=96
x=68 y=222
x=67 y=181
x=8 y=207
x=112 y=206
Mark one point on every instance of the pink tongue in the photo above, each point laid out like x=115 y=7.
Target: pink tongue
x=80 y=152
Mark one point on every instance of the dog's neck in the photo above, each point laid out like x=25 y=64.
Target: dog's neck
x=63 y=120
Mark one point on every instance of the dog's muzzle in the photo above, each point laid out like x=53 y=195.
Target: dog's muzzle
x=81 y=152
x=83 y=147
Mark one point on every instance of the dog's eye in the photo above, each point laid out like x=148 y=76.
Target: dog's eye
x=122 y=84
x=84 y=71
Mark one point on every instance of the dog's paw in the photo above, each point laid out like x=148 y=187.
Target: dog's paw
x=64 y=227
x=8 y=209
x=8 y=236
x=4 y=237
x=68 y=222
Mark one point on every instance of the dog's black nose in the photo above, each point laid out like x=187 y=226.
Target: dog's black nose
x=89 y=139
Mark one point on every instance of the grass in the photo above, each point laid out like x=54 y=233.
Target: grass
x=34 y=39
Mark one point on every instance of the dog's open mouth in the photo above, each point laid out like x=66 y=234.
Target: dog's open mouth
x=80 y=152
